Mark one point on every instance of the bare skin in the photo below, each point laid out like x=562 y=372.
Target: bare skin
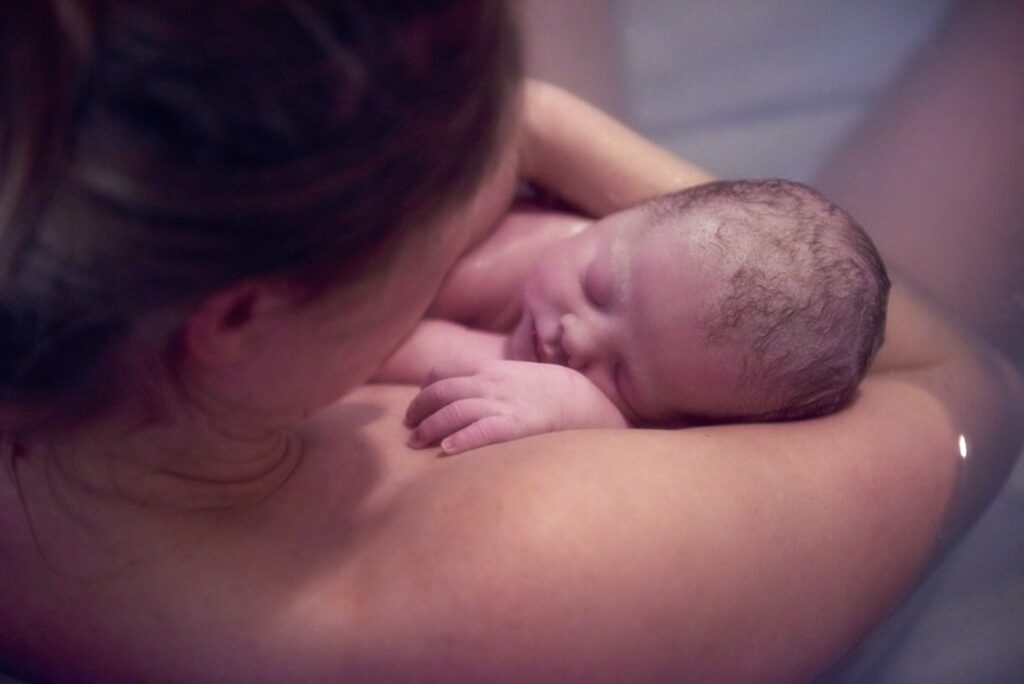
x=329 y=551
x=601 y=306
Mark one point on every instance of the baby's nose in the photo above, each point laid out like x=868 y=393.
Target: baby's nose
x=582 y=342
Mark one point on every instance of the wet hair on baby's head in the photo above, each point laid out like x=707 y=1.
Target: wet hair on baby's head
x=803 y=292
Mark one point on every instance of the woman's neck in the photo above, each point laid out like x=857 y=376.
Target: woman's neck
x=193 y=459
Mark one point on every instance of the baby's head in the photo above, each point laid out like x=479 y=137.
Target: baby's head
x=731 y=301
x=801 y=296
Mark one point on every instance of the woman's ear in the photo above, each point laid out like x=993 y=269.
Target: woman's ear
x=230 y=320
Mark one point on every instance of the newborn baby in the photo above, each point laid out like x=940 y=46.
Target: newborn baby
x=731 y=301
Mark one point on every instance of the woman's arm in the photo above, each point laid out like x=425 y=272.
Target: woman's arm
x=592 y=161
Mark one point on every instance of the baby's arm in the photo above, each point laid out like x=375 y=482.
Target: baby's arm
x=473 y=397
x=483 y=289
x=465 y=405
x=435 y=342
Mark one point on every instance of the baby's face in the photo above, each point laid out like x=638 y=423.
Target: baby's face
x=623 y=304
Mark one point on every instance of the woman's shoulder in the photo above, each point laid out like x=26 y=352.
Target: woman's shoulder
x=507 y=549
x=375 y=561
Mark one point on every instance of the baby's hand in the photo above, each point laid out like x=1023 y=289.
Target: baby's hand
x=469 y=405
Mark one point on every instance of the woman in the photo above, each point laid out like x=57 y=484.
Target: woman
x=215 y=223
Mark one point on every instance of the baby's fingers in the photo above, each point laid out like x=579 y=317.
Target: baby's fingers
x=489 y=430
x=450 y=368
x=436 y=396
x=448 y=420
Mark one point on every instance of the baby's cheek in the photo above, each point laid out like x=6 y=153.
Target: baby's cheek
x=515 y=344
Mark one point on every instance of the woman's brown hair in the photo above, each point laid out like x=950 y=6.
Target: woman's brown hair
x=153 y=151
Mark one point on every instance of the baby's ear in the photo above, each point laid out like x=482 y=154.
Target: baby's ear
x=220 y=329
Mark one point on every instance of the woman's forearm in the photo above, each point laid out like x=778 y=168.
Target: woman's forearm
x=981 y=391
x=592 y=161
